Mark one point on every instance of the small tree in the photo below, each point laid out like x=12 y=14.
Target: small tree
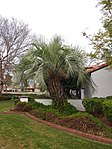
x=13 y=42
x=102 y=41
x=49 y=62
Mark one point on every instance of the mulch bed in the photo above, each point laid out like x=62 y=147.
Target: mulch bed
x=72 y=131
x=105 y=121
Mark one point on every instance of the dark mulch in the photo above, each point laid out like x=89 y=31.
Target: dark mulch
x=105 y=121
x=81 y=123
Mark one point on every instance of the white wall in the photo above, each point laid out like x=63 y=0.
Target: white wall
x=103 y=79
x=76 y=103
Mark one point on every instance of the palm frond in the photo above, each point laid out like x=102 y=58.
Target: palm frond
x=39 y=77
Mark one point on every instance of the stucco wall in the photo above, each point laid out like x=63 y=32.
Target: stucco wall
x=103 y=79
x=76 y=103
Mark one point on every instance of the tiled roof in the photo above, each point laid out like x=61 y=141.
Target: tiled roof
x=95 y=68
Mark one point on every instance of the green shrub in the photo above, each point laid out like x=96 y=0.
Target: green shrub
x=31 y=97
x=43 y=96
x=109 y=97
x=40 y=113
x=23 y=107
x=93 y=106
x=16 y=100
x=5 y=97
x=107 y=109
x=45 y=114
x=36 y=105
x=69 y=109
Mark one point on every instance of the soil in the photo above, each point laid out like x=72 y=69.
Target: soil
x=105 y=121
x=81 y=123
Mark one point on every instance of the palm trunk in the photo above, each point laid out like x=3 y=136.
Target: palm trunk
x=56 y=92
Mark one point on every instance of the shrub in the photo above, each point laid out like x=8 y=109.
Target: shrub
x=5 y=97
x=40 y=113
x=109 y=97
x=93 y=106
x=23 y=106
x=16 y=101
x=107 y=109
x=45 y=114
x=69 y=109
x=43 y=96
x=36 y=105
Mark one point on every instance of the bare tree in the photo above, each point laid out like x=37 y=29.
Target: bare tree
x=14 y=40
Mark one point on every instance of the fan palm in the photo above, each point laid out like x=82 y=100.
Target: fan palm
x=49 y=62
x=19 y=76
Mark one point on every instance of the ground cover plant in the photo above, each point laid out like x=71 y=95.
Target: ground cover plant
x=70 y=118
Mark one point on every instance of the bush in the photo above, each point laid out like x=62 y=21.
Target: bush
x=31 y=97
x=45 y=114
x=69 y=109
x=16 y=101
x=43 y=96
x=5 y=97
x=23 y=107
x=107 y=109
x=36 y=105
x=109 y=97
x=93 y=106
x=28 y=106
x=40 y=113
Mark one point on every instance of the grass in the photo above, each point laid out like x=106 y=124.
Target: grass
x=20 y=132
x=6 y=105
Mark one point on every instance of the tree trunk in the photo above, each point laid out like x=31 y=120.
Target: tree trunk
x=55 y=89
x=1 y=77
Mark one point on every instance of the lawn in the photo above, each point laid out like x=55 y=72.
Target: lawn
x=6 y=105
x=20 y=132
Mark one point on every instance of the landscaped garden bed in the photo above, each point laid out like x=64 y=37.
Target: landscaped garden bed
x=70 y=118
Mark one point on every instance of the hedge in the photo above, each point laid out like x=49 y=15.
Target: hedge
x=93 y=106
x=107 y=109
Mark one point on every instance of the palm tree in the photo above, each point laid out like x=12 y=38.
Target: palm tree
x=19 y=74
x=51 y=61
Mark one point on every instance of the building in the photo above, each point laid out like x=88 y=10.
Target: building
x=102 y=77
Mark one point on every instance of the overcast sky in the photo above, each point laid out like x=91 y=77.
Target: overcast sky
x=68 y=18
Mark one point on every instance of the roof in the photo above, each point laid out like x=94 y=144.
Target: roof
x=95 y=68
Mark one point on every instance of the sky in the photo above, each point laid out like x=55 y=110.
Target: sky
x=66 y=18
